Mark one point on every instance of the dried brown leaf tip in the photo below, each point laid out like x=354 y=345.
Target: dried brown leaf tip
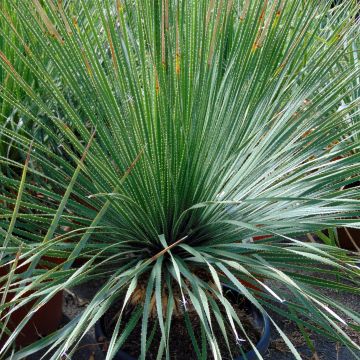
x=209 y=12
x=64 y=18
x=264 y=30
x=254 y=47
x=177 y=64
x=157 y=85
x=177 y=57
x=7 y=62
x=256 y=44
x=213 y=39
x=47 y=22
x=245 y=10
x=281 y=8
x=10 y=66
x=119 y=7
x=263 y=11
x=87 y=64
x=75 y=23
x=229 y=7
x=307 y=133
x=65 y=127
x=164 y=25
x=112 y=50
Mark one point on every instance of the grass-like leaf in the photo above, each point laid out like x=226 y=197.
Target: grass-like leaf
x=216 y=122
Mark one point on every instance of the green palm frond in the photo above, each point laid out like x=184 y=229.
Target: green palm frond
x=209 y=123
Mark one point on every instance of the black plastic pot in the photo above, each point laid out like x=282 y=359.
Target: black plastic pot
x=260 y=320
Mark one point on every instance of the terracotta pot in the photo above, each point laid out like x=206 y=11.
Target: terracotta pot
x=251 y=286
x=49 y=261
x=261 y=237
x=44 y=321
x=349 y=238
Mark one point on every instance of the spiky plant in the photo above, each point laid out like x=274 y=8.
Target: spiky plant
x=8 y=114
x=185 y=128
x=15 y=39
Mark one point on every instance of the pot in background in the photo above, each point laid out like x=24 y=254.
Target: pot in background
x=349 y=238
x=44 y=321
x=261 y=237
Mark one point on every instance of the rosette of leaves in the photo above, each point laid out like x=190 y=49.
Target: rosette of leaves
x=186 y=128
